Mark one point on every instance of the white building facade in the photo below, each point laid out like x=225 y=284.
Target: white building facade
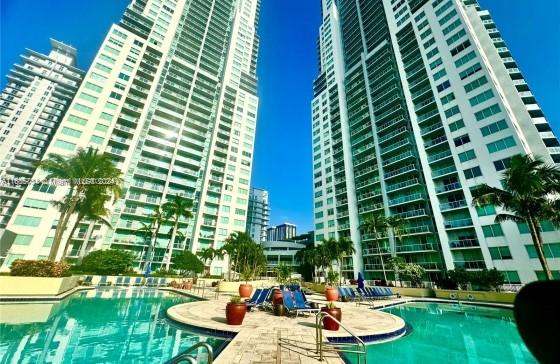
x=171 y=95
x=32 y=105
x=418 y=102
x=258 y=214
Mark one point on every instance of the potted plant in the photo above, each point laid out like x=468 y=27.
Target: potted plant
x=245 y=289
x=331 y=293
x=283 y=273
x=235 y=311
x=336 y=312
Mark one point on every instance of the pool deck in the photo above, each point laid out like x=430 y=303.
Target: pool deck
x=265 y=338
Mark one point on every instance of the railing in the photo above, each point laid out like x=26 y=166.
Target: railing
x=360 y=350
x=184 y=356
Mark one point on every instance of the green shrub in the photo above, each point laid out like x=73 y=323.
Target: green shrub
x=107 y=262
x=187 y=262
x=483 y=280
x=39 y=268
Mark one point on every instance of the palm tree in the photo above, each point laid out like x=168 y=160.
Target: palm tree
x=528 y=196
x=233 y=248
x=339 y=249
x=376 y=224
x=91 y=206
x=179 y=207
x=209 y=254
x=396 y=224
x=157 y=218
x=86 y=163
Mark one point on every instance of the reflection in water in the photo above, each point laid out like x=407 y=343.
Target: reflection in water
x=99 y=326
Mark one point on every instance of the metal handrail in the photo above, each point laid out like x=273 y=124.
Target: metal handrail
x=184 y=356
x=319 y=317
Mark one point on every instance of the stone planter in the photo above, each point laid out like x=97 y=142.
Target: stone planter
x=235 y=313
x=36 y=286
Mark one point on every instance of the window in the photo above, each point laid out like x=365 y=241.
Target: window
x=107 y=59
x=442 y=9
x=452 y=111
x=432 y=53
x=96 y=139
x=111 y=106
x=467 y=156
x=23 y=239
x=44 y=187
x=93 y=87
x=480 y=98
x=460 y=34
x=470 y=71
x=101 y=127
x=72 y=132
x=451 y=27
x=511 y=277
x=106 y=116
x=459 y=124
x=472 y=172
x=500 y=253
x=461 y=47
x=36 y=204
x=544 y=226
x=486 y=113
x=439 y=74
x=429 y=43
x=448 y=98
x=476 y=84
x=448 y=17
x=542 y=277
x=463 y=139
x=103 y=68
x=502 y=164
x=24 y=220
x=494 y=127
x=501 y=144
x=436 y=63
x=486 y=210
x=443 y=86
x=491 y=231
x=115 y=95
x=83 y=108
x=319 y=226
x=551 y=250
x=64 y=145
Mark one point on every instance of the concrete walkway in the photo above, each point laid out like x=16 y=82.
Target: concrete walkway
x=265 y=338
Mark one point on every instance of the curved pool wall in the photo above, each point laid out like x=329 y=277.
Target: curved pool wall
x=451 y=333
x=98 y=326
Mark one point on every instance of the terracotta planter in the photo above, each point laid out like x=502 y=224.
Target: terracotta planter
x=235 y=313
x=331 y=294
x=328 y=323
x=277 y=297
x=279 y=310
x=189 y=285
x=245 y=290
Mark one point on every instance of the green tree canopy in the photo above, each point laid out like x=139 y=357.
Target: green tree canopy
x=187 y=262
x=107 y=262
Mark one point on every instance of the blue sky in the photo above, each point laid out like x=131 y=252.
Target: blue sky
x=287 y=67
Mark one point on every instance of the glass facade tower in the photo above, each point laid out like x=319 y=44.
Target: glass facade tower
x=416 y=103
x=171 y=95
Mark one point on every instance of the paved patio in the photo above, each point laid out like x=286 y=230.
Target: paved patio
x=257 y=339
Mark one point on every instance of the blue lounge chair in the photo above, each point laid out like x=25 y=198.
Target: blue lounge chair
x=103 y=281
x=126 y=282
x=162 y=282
x=341 y=294
x=151 y=282
x=352 y=295
x=255 y=297
x=137 y=281
x=389 y=292
x=119 y=281
x=87 y=281
x=301 y=304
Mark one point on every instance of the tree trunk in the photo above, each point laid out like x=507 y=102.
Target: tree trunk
x=69 y=240
x=169 y=250
x=83 y=248
x=538 y=243
x=59 y=232
x=381 y=257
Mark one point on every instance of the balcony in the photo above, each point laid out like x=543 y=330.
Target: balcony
x=404 y=184
x=458 y=224
x=397 y=172
x=437 y=173
x=439 y=156
x=449 y=187
x=472 y=264
x=423 y=229
x=435 y=142
x=411 y=214
x=463 y=243
x=412 y=248
x=404 y=199
x=453 y=205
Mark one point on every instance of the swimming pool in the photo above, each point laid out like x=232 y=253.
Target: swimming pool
x=98 y=326
x=451 y=333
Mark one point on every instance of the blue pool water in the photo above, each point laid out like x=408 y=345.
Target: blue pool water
x=99 y=326
x=450 y=333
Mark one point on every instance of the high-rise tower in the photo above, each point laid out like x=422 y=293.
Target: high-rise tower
x=171 y=95
x=416 y=103
x=32 y=104
x=258 y=214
